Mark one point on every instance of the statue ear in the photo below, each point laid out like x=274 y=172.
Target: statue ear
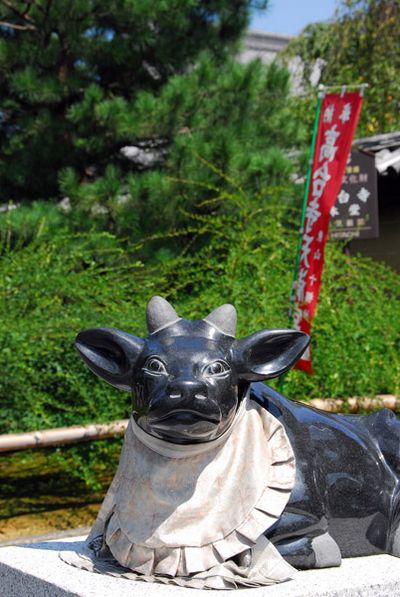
x=268 y=353
x=110 y=354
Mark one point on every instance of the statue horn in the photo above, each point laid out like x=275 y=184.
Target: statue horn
x=159 y=314
x=224 y=319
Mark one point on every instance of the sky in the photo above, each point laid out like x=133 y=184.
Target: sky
x=291 y=16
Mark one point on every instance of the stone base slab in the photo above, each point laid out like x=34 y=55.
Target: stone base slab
x=36 y=570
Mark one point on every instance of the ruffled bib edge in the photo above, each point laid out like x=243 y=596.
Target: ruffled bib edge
x=186 y=560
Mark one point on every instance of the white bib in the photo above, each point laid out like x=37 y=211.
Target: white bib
x=178 y=513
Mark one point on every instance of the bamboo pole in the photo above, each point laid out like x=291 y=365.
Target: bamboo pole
x=12 y=442
x=292 y=298
x=355 y=404
x=321 y=95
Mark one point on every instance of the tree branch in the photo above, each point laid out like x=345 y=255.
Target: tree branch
x=23 y=15
x=19 y=27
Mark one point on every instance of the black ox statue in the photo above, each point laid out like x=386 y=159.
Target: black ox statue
x=223 y=482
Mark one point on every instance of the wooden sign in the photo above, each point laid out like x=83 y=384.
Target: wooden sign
x=355 y=213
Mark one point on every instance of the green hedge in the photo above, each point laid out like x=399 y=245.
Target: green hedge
x=52 y=288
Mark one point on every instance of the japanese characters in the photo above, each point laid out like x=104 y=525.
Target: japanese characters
x=339 y=115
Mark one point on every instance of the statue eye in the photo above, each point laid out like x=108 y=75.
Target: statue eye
x=155 y=366
x=216 y=369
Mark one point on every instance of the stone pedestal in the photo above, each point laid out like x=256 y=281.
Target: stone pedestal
x=36 y=570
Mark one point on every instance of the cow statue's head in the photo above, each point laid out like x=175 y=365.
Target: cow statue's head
x=188 y=377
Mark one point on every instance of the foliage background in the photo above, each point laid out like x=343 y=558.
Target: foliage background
x=70 y=68
x=361 y=45
x=208 y=213
x=233 y=116
x=57 y=284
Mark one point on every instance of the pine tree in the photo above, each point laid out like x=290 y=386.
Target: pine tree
x=221 y=126
x=68 y=68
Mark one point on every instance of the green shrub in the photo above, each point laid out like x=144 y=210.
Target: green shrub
x=356 y=331
x=52 y=288
x=27 y=222
x=21 y=225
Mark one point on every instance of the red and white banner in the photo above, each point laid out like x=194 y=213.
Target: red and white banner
x=337 y=123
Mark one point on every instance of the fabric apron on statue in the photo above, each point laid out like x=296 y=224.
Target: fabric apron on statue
x=179 y=514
